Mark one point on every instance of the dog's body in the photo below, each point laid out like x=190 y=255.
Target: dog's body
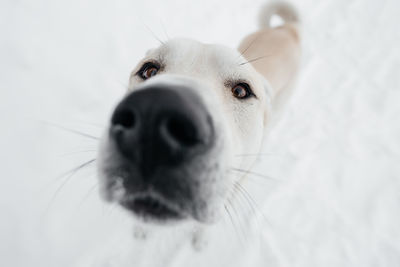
x=172 y=153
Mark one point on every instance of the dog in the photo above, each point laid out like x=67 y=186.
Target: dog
x=170 y=154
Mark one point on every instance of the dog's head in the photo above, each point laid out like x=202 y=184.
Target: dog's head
x=172 y=150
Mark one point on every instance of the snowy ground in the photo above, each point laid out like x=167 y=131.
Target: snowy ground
x=336 y=149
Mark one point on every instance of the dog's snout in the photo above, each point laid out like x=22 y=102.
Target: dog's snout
x=179 y=131
x=161 y=126
x=125 y=118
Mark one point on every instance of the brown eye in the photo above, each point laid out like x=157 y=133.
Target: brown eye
x=148 y=70
x=242 y=91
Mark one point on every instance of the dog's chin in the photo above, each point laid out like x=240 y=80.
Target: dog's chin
x=149 y=208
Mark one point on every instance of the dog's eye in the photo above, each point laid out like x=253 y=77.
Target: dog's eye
x=242 y=91
x=148 y=70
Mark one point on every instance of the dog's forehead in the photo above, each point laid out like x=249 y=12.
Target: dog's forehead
x=188 y=48
x=188 y=54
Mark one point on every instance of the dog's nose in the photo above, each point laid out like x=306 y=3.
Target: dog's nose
x=161 y=126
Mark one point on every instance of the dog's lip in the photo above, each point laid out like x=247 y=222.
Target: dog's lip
x=153 y=207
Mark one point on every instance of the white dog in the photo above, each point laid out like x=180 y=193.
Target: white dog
x=170 y=154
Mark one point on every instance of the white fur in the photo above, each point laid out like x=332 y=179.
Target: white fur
x=240 y=125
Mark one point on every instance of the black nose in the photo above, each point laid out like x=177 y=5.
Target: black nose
x=161 y=126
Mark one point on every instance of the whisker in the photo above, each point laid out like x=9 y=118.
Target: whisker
x=77 y=152
x=77 y=168
x=232 y=221
x=258 y=154
x=242 y=191
x=165 y=30
x=124 y=85
x=247 y=48
x=255 y=208
x=249 y=197
x=254 y=59
x=154 y=35
x=250 y=202
x=86 y=196
x=67 y=176
x=107 y=209
x=70 y=130
x=254 y=203
x=246 y=206
x=240 y=222
x=98 y=125
x=254 y=173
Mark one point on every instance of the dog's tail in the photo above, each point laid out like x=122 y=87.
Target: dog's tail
x=283 y=10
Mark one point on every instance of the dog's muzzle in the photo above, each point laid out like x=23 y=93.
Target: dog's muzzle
x=162 y=135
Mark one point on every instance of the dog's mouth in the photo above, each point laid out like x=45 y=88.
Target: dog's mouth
x=149 y=207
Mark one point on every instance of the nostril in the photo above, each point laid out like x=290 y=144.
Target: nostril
x=124 y=118
x=181 y=130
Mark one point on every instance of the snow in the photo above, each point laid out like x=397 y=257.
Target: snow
x=335 y=151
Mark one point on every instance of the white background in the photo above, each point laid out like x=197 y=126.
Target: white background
x=336 y=149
